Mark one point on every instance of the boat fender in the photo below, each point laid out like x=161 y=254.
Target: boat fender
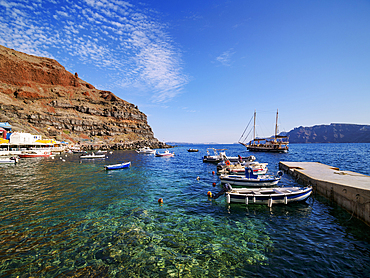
x=246 y=200
x=228 y=198
x=285 y=200
x=269 y=203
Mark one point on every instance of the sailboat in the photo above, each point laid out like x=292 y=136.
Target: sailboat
x=276 y=143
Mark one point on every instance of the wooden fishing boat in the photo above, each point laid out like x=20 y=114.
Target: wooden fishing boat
x=118 y=166
x=263 y=196
x=251 y=179
x=268 y=196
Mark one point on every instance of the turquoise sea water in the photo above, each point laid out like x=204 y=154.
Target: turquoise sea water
x=74 y=219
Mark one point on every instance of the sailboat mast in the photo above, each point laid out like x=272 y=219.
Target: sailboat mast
x=254 y=126
x=276 y=125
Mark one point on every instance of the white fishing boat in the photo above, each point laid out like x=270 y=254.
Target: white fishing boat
x=251 y=179
x=165 y=154
x=35 y=153
x=265 y=196
x=268 y=196
x=218 y=155
x=238 y=168
x=92 y=156
x=7 y=160
x=146 y=150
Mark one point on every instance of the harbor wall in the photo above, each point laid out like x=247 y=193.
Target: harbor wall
x=348 y=189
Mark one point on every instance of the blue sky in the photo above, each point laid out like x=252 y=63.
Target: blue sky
x=199 y=69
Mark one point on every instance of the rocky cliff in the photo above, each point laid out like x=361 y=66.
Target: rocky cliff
x=39 y=96
x=333 y=133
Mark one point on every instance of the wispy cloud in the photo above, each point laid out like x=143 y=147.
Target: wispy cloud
x=108 y=34
x=225 y=58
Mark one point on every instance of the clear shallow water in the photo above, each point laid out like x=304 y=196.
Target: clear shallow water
x=76 y=219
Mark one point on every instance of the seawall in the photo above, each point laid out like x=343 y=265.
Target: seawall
x=350 y=190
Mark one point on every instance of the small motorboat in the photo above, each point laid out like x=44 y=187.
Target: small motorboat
x=220 y=155
x=265 y=196
x=101 y=152
x=146 y=150
x=35 y=153
x=165 y=154
x=4 y=160
x=193 y=150
x=118 y=166
x=92 y=155
x=238 y=168
x=251 y=179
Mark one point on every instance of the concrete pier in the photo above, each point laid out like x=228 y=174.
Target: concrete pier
x=348 y=189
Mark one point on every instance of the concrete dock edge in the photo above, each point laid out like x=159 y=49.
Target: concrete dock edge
x=350 y=190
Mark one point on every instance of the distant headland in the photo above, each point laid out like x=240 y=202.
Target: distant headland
x=333 y=133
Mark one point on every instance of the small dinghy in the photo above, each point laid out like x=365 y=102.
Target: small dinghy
x=165 y=154
x=118 y=166
x=92 y=155
x=265 y=196
x=146 y=150
x=251 y=179
x=6 y=160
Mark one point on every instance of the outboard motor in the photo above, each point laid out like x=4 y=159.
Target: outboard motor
x=225 y=188
x=251 y=158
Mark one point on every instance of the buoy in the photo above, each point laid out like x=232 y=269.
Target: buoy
x=246 y=200
x=160 y=201
x=214 y=184
x=209 y=194
x=213 y=172
x=198 y=178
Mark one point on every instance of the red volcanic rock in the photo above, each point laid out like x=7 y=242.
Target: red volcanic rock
x=38 y=95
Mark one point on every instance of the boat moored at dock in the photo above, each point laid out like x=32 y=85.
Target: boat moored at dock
x=268 y=196
x=251 y=179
